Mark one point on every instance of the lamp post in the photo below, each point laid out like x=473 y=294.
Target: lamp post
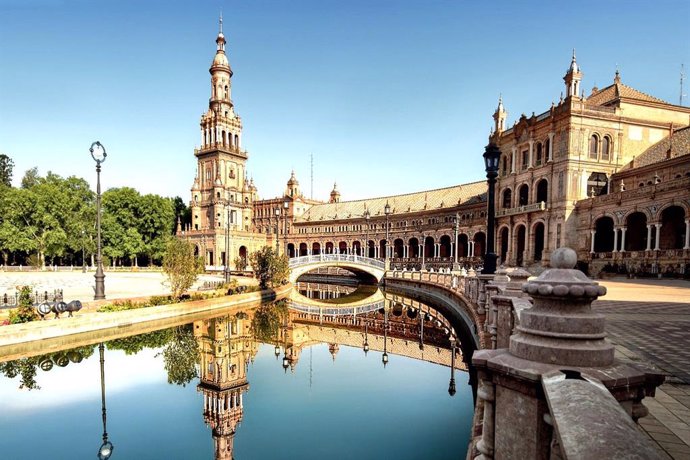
x=83 y=252
x=98 y=154
x=455 y=243
x=286 y=207
x=106 y=449
x=366 y=232
x=387 y=212
x=451 y=384
x=365 y=347
x=227 y=244
x=277 y=213
x=492 y=154
x=384 y=357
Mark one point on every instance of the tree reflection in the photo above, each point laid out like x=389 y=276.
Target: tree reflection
x=181 y=356
x=267 y=321
x=27 y=368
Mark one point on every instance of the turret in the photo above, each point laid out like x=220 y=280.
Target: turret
x=500 y=117
x=292 y=189
x=335 y=194
x=572 y=78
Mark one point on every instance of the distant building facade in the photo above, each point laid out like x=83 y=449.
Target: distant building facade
x=607 y=174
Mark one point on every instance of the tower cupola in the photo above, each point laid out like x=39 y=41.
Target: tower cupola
x=500 y=116
x=572 y=78
x=335 y=194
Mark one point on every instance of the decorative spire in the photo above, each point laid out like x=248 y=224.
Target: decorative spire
x=220 y=21
x=617 y=77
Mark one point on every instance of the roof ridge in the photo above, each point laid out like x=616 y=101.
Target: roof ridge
x=643 y=93
x=411 y=193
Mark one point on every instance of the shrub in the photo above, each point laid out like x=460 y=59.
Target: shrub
x=25 y=312
x=181 y=266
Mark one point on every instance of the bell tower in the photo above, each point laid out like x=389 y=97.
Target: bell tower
x=572 y=78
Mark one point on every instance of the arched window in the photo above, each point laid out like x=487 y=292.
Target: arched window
x=547 y=147
x=605 y=148
x=226 y=92
x=504 y=170
x=540 y=154
x=523 y=195
x=237 y=141
x=594 y=146
x=507 y=198
x=224 y=138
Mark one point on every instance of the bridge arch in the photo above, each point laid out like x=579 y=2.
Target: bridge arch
x=356 y=264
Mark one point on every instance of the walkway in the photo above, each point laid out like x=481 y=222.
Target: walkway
x=655 y=329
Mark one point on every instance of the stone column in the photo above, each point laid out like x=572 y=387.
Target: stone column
x=550 y=152
x=687 y=234
x=649 y=237
x=658 y=233
x=615 y=239
x=485 y=445
x=591 y=245
x=531 y=150
x=512 y=159
x=623 y=230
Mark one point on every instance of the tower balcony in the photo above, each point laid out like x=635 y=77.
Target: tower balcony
x=222 y=148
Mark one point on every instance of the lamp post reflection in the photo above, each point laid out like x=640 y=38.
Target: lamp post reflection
x=451 y=384
x=106 y=449
x=365 y=347
x=384 y=357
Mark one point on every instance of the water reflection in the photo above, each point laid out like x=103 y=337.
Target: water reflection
x=218 y=351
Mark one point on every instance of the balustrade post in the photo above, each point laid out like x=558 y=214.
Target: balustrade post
x=687 y=234
x=485 y=446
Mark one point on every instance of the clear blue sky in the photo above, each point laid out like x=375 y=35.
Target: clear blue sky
x=389 y=96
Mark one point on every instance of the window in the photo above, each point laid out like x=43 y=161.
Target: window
x=605 y=148
x=540 y=154
x=594 y=147
x=525 y=159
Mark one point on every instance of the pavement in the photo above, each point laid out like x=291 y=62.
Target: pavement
x=648 y=321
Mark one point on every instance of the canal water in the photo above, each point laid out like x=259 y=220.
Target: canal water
x=286 y=380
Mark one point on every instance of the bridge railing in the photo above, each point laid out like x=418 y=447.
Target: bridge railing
x=335 y=310
x=319 y=258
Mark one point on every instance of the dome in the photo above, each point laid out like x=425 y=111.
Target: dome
x=292 y=180
x=220 y=60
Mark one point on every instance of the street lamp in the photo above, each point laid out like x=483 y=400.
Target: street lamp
x=455 y=243
x=387 y=212
x=491 y=156
x=98 y=154
x=366 y=234
x=277 y=211
x=286 y=207
x=106 y=449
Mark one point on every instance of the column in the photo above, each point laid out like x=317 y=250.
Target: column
x=452 y=251
x=485 y=445
x=513 y=153
x=649 y=237
x=623 y=230
x=531 y=150
x=437 y=246
x=615 y=240
x=550 y=152
x=658 y=232
x=687 y=234
x=591 y=245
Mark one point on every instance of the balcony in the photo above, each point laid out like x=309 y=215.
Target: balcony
x=534 y=207
x=225 y=148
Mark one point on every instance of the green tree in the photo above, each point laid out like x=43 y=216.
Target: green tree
x=30 y=178
x=25 y=311
x=6 y=167
x=182 y=212
x=267 y=321
x=181 y=266
x=240 y=263
x=181 y=356
x=270 y=269
x=25 y=368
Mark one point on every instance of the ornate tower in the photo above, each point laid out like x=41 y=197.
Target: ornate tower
x=572 y=78
x=335 y=194
x=292 y=189
x=219 y=194
x=500 y=117
x=226 y=347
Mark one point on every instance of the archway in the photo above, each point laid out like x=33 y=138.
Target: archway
x=672 y=232
x=523 y=195
x=357 y=248
x=479 y=244
x=542 y=191
x=291 y=250
x=603 y=238
x=382 y=249
x=303 y=249
x=636 y=233
x=243 y=254
x=504 y=244
x=329 y=247
x=429 y=247
x=315 y=249
x=398 y=248
x=462 y=245
x=371 y=249
x=520 y=235
x=413 y=250
x=342 y=247
x=445 y=246
x=507 y=200
x=538 y=241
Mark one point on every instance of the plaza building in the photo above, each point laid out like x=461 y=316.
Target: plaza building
x=607 y=174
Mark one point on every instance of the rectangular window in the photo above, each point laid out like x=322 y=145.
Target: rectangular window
x=525 y=159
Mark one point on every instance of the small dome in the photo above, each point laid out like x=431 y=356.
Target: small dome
x=293 y=179
x=220 y=60
x=574 y=68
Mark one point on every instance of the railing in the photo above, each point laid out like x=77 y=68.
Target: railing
x=534 y=207
x=12 y=300
x=335 y=310
x=321 y=258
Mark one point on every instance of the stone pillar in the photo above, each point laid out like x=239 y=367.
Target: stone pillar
x=485 y=445
x=687 y=234
x=615 y=239
x=591 y=245
x=550 y=152
x=513 y=154
x=658 y=233
x=623 y=230
x=531 y=150
x=649 y=237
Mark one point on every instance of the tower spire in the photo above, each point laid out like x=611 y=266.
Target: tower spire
x=220 y=31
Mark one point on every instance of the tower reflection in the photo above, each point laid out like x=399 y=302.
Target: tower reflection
x=226 y=347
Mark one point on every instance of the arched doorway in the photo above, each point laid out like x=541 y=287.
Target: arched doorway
x=342 y=247
x=520 y=244
x=445 y=246
x=507 y=200
x=479 y=244
x=398 y=248
x=413 y=250
x=504 y=244
x=523 y=195
x=542 y=191
x=329 y=248
x=315 y=249
x=429 y=247
x=303 y=249
x=382 y=249
x=371 y=249
x=636 y=233
x=603 y=238
x=291 y=249
x=243 y=254
x=357 y=248
x=672 y=232
x=462 y=245
x=538 y=241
